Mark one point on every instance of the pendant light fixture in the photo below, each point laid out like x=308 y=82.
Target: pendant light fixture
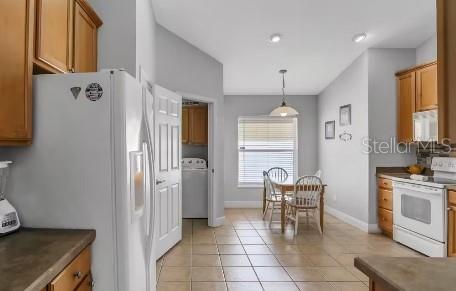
x=283 y=110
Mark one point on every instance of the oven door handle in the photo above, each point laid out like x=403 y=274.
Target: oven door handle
x=418 y=188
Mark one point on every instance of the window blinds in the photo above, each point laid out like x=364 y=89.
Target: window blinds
x=265 y=142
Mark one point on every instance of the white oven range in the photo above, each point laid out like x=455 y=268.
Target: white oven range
x=420 y=209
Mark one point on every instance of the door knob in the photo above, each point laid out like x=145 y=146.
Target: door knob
x=160 y=182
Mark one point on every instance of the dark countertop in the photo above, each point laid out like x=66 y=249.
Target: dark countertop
x=32 y=258
x=410 y=274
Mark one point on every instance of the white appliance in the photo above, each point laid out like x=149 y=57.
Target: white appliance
x=9 y=220
x=194 y=188
x=420 y=218
x=91 y=167
x=425 y=125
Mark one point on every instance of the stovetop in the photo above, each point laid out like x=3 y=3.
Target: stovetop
x=431 y=180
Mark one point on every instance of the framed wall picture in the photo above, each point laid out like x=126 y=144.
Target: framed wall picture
x=345 y=115
x=330 y=129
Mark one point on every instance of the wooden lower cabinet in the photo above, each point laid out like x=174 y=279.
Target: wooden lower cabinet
x=385 y=206
x=76 y=276
x=376 y=286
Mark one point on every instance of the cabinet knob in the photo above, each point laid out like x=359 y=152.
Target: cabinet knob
x=78 y=275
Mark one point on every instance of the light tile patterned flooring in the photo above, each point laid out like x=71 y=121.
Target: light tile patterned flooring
x=246 y=254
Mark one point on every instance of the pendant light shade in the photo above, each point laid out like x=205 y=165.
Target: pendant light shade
x=284 y=110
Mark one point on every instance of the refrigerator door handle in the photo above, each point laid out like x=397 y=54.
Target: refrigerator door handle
x=149 y=239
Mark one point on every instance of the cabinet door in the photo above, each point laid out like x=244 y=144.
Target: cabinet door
x=406 y=106
x=452 y=231
x=86 y=285
x=185 y=123
x=16 y=31
x=426 y=88
x=53 y=34
x=85 y=41
x=446 y=66
x=198 y=125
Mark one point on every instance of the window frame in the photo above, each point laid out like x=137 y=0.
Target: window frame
x=295 y=151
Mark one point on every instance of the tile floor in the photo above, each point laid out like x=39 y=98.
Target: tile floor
x=246 y=254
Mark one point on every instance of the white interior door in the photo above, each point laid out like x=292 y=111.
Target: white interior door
x=168 y=190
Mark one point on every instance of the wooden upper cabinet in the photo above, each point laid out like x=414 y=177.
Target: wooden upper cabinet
x=446 y=63
x=198 y=126
x=406 y=106
x=194 y=125
x=54 y=34
x=426 y=88
x=16 y=53
x=86 y=24
x=66 y=36
x=185 y=123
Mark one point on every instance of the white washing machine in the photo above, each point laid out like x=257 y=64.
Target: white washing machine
x=194 y=188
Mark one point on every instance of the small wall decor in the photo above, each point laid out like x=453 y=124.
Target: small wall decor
x=345 y=136
x=330 y=129
x=345 y=115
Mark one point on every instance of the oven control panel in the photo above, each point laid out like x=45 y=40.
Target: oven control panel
x=444 y=164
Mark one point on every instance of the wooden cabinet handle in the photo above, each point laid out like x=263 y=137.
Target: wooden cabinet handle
x=78 y=274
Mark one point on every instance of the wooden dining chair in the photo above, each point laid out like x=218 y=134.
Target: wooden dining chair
x=272 y=197
x=278 y=174
x=306 y=198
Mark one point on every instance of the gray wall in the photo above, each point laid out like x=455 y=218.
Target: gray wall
x=427 y=51
x=349 y=169
x=344 y=166
x=194 y=151
x=127 y=37
x=117 y=36
x=250 y=105
x=182 y=67
x=383 y=64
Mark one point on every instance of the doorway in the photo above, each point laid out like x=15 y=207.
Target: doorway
x=198 y=147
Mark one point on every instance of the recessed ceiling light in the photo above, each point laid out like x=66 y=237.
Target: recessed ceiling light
x=359 y=37
x=275 y=38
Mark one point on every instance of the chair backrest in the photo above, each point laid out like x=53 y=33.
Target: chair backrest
x=307 y=191
x=270 y=190
x=278 y=174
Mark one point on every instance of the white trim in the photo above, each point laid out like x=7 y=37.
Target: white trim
x=347 y=218
x=213 y=197
x=243 y=204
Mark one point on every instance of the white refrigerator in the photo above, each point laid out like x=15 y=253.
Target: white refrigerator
x=91 y=166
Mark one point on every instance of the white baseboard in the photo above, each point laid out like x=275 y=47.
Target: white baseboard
x=373 y=228
x=243 y=204
x=350 y=219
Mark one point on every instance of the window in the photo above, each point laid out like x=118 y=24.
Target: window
x=263 y=143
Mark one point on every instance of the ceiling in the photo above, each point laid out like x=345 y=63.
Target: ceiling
x=317 y=36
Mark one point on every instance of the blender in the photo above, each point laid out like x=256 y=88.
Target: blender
x=9 y=220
